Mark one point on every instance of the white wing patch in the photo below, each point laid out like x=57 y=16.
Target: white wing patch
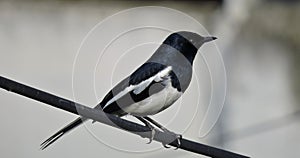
x=137 y=89
x=157 y=78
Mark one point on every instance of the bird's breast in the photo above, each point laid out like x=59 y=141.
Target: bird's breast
x=156 y=103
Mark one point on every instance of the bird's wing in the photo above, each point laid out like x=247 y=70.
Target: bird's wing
x=136 y=87
x=160 y=76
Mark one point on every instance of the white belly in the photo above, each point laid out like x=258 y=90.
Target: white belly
x=156 y=103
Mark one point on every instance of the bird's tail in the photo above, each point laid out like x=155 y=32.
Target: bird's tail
x=61 y=132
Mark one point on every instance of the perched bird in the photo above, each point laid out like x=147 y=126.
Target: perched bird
x=154 y=86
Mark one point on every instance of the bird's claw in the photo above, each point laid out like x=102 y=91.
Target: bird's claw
x=166 y=146
x=152 y=129
x=178 y=138
x=152 y=134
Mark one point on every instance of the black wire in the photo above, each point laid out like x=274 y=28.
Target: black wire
x=111 y=120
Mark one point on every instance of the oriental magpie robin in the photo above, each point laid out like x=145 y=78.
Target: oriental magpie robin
x=154 y=86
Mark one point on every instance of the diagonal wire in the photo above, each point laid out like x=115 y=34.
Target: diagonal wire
x=111 y=120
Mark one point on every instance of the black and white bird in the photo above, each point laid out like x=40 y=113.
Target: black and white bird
x=154 y=86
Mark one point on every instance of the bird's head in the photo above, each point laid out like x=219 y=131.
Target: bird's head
x=187 y=43
x=195 y=38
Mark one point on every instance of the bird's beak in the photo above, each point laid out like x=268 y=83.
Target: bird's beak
x=207 y=39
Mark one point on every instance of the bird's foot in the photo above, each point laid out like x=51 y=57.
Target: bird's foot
x=152 y=133
x=177 y=137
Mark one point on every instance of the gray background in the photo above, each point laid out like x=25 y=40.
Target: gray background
x=259 y=41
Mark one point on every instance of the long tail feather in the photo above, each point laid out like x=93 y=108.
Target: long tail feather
x=61 y=132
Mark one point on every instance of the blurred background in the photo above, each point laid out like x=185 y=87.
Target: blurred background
x=259 y=41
